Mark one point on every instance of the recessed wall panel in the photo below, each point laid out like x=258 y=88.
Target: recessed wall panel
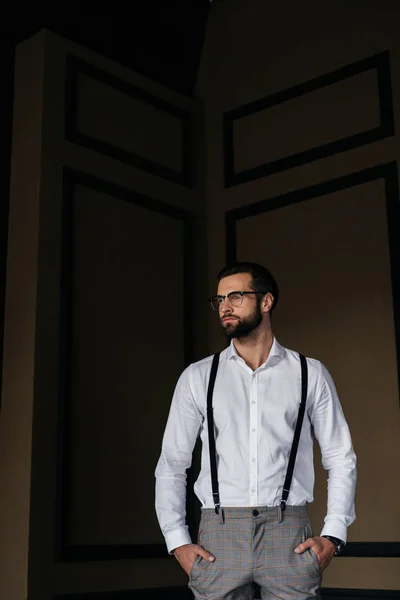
x=126 y=353
x=335 y=112
x=294 y=126
x=108 y=114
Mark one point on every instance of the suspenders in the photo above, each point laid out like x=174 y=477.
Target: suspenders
x=297 y=431
x=211 y=437
x=296 y=437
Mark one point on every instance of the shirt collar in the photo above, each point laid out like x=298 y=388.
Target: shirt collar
x=276 y=350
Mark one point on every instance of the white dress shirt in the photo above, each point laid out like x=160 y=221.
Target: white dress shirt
x=255 y=414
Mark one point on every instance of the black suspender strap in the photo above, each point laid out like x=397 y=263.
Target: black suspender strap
x=297 y=432
x=211 y=437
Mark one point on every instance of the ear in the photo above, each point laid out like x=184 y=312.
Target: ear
x=267 y=302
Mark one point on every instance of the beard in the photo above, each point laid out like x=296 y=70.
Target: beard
x=244 y=327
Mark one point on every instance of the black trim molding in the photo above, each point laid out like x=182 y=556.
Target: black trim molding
x=62 y=550
x=380 y=62
x=372 y=550
x=388 y=173
x=76 y=66
x=183 y=593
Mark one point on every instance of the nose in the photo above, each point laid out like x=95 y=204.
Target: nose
x=225 y=306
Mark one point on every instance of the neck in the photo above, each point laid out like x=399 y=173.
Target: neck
x=255 y=350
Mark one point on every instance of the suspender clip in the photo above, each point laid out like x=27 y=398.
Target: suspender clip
x=217 y=503
x=220 y=511
x=280 y=510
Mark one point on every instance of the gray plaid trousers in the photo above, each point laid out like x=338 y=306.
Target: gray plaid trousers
x=252 y=547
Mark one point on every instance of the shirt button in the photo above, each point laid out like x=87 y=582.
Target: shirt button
x=253 y=460
x=253 y=430
x=253 y=491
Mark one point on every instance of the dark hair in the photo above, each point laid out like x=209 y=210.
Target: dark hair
x=262 y=280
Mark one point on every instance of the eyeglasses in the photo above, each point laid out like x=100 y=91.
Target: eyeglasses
x=234 y=298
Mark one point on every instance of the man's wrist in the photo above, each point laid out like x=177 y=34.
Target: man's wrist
x=337 y=542
x=177 y=548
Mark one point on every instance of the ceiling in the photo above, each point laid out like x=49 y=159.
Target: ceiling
x=161 y=39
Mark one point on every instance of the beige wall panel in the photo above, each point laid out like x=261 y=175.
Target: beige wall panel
x=364 y=573
x=325 y=115
x=127 y=297
x=330 y=256
x=117 y=118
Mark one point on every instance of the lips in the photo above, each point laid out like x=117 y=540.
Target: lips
x=227 y=319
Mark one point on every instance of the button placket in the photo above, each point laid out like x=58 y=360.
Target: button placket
x=253 y=441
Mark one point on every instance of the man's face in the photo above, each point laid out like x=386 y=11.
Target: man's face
x=238 y=322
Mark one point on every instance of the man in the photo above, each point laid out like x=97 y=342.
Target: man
x=255 y=479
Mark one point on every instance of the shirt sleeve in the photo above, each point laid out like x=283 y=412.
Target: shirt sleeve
x=338 y=456
x=181 y=431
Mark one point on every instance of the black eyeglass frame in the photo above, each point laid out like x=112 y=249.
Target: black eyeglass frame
x=240 y=293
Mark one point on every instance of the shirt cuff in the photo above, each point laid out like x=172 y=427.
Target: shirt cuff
x=177 y=538
x=335 y=529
